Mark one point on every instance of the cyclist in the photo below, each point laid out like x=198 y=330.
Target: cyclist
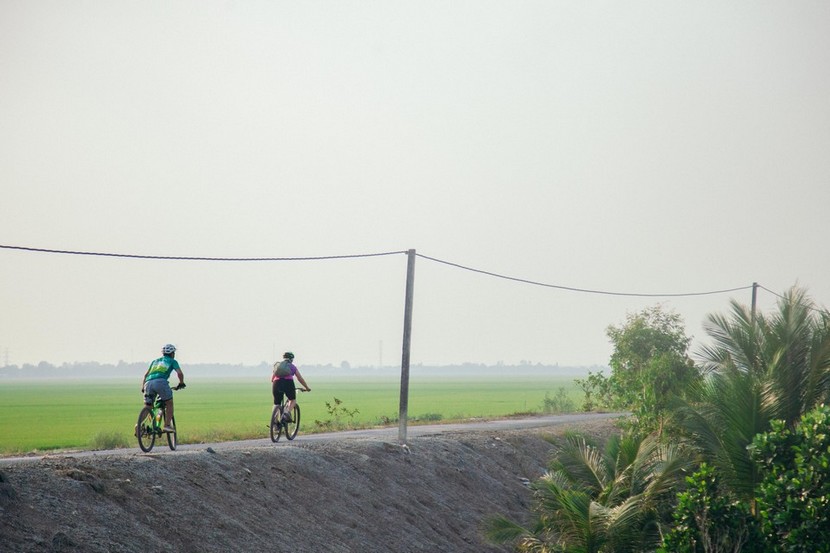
x=284 y=384
x=155 y=382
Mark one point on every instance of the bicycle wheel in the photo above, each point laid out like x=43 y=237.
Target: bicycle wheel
x=292 y=427
x=144 y=430
x=171 y=436
x=276 y=425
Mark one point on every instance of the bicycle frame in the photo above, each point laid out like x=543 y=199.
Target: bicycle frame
x=151 y=421
x=279 y=426
x=159 y=412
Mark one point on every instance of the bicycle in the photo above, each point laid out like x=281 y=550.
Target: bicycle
x=279 y=426
x=151 y=425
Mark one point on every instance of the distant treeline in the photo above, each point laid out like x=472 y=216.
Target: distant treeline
x=92 y=369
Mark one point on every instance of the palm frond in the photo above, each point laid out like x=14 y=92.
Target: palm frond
x=736 y=342
x=500 y=529
x=675 y=461
x=799 y=341
x=584 y=465
x=624 y=525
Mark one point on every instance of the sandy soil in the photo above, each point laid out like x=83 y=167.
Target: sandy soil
x=364 y=495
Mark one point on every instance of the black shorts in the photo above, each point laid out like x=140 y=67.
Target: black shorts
x=283 y=386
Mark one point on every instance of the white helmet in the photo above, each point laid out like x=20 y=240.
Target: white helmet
x=168 y=349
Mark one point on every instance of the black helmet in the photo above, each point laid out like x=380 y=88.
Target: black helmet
x=288 y=355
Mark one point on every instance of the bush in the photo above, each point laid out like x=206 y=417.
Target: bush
x=560 y=403
x=386 y=421
x=429 y=417
x=339 y=416
x=109 y=440
x=598 y=390
x=794 y=495
x=709 y=520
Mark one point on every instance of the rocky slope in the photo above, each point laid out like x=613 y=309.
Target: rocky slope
x=352 y=496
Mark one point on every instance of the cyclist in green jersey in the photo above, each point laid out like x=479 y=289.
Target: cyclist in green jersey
x=155 y=382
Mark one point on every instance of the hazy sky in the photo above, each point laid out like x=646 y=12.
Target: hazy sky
x=641 y=147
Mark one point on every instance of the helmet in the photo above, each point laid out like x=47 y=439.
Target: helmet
x=288 y=355
x=168 y=349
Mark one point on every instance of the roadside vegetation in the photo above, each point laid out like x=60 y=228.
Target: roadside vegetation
x=726 y=453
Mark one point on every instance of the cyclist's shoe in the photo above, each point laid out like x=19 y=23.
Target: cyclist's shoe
x=135 y=432
x=169 y=429
x=287 y=418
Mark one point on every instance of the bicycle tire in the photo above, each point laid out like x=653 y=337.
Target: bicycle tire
x=144 y=430
x=171 y=436
x=291 y=428
x=276 y=425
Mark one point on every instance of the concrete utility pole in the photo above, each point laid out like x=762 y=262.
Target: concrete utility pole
x=754 y=299
x=407 y=339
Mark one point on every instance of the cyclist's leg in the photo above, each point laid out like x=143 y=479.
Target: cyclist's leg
x=168 y=413
x=149 y=395
x=161 y=387
x=291 y=393
x=276 y=390
x=149 y=398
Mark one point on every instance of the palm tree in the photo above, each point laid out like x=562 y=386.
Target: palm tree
x=758 y=369
x=597 y=501
x=799 y=362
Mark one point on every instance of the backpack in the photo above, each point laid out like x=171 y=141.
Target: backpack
x=283 y=368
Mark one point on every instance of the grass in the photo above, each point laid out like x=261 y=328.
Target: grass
x=82 y=414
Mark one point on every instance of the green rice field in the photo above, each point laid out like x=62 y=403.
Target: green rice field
x=42 y=415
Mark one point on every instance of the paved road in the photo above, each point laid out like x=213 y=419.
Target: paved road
x=382 y=434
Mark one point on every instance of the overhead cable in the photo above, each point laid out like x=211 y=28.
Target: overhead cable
x=809 y=307
x=584 y=290
x=194 y=258
x=351 y=256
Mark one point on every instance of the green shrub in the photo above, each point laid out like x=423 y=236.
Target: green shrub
x=560 y=403
x=598 y=390
x=339 y=416
x=429 y=417
x=707 y=519
x=109 y=440
x=794 y=495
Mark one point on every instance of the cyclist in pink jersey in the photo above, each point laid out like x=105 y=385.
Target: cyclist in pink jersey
x=283 y=383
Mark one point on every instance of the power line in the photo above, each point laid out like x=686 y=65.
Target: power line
x=809 y=307
x=351 y=256
x=776 y=294
x=584 y=290
x=194 y=258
